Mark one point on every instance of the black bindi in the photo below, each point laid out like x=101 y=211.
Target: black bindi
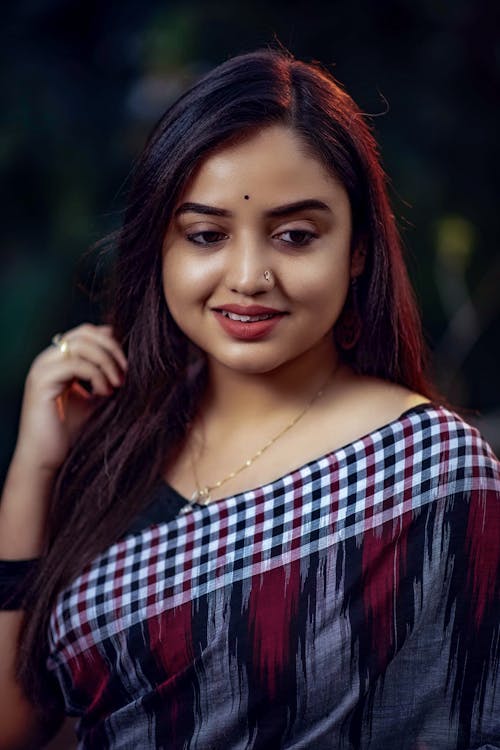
x=246 y=197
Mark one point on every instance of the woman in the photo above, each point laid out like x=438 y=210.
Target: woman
x=261 y=531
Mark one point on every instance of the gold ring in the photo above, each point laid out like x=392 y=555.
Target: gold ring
x=61 y=343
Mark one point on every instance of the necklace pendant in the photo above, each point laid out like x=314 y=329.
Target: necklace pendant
x=201 y=497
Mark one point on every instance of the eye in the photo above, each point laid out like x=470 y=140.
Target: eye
x=296 y=237
x=206 y=238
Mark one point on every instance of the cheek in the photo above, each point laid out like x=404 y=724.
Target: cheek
x=186 y=281
x=174 y=289
x=321 y=287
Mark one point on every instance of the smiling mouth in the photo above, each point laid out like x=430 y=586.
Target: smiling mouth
x=247 y=318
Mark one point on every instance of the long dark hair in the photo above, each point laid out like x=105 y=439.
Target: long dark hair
x=109 y=474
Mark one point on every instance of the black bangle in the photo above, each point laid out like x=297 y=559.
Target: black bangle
x=14 y=575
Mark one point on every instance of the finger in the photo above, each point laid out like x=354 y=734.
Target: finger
x=61 y=373
x=103 y=336
x=115 y=349
x=94 y=352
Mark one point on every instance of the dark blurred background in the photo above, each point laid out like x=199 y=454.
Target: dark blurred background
x=82 y=84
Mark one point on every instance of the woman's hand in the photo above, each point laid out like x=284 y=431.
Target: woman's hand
x=55 y=405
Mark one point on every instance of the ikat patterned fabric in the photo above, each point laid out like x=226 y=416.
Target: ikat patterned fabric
x=353 y=603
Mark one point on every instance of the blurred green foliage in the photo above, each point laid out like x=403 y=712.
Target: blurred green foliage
x=83 y=83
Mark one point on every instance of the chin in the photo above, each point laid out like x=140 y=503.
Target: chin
x=254 y=368
x=250 y=365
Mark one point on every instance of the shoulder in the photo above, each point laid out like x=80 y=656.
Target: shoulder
x=419 y=429
x=361 y=405
x=451 y=451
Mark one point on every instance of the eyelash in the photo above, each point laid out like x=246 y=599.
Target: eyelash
x=191 y=238
x=309 y=237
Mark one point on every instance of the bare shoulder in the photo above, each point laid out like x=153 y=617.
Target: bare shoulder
x=366 y=404
x=387 y=400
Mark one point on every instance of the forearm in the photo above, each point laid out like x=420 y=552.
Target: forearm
x=18 y=723
x=23 y=510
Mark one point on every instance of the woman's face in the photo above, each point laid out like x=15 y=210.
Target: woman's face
x=262 y=205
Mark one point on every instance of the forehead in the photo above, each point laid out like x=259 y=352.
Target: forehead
x=273 y=160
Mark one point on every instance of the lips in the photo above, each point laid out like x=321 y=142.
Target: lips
x=247 y=322
x=249 y=309
x=246 y=318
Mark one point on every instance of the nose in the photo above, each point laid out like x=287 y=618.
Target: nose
x=247 y=262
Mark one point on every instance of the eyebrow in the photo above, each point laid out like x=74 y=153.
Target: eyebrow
x=279 y=211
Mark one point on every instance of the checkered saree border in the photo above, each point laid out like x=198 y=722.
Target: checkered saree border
x=424 y=455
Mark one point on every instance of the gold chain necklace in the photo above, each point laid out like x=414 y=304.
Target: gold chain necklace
x=202 y=496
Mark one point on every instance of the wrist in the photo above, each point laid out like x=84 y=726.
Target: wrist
x=24 y=464
x=23 y=509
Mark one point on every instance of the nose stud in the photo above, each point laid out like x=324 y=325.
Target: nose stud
x=268 y=275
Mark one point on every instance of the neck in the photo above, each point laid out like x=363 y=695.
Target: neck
x=235 y=397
